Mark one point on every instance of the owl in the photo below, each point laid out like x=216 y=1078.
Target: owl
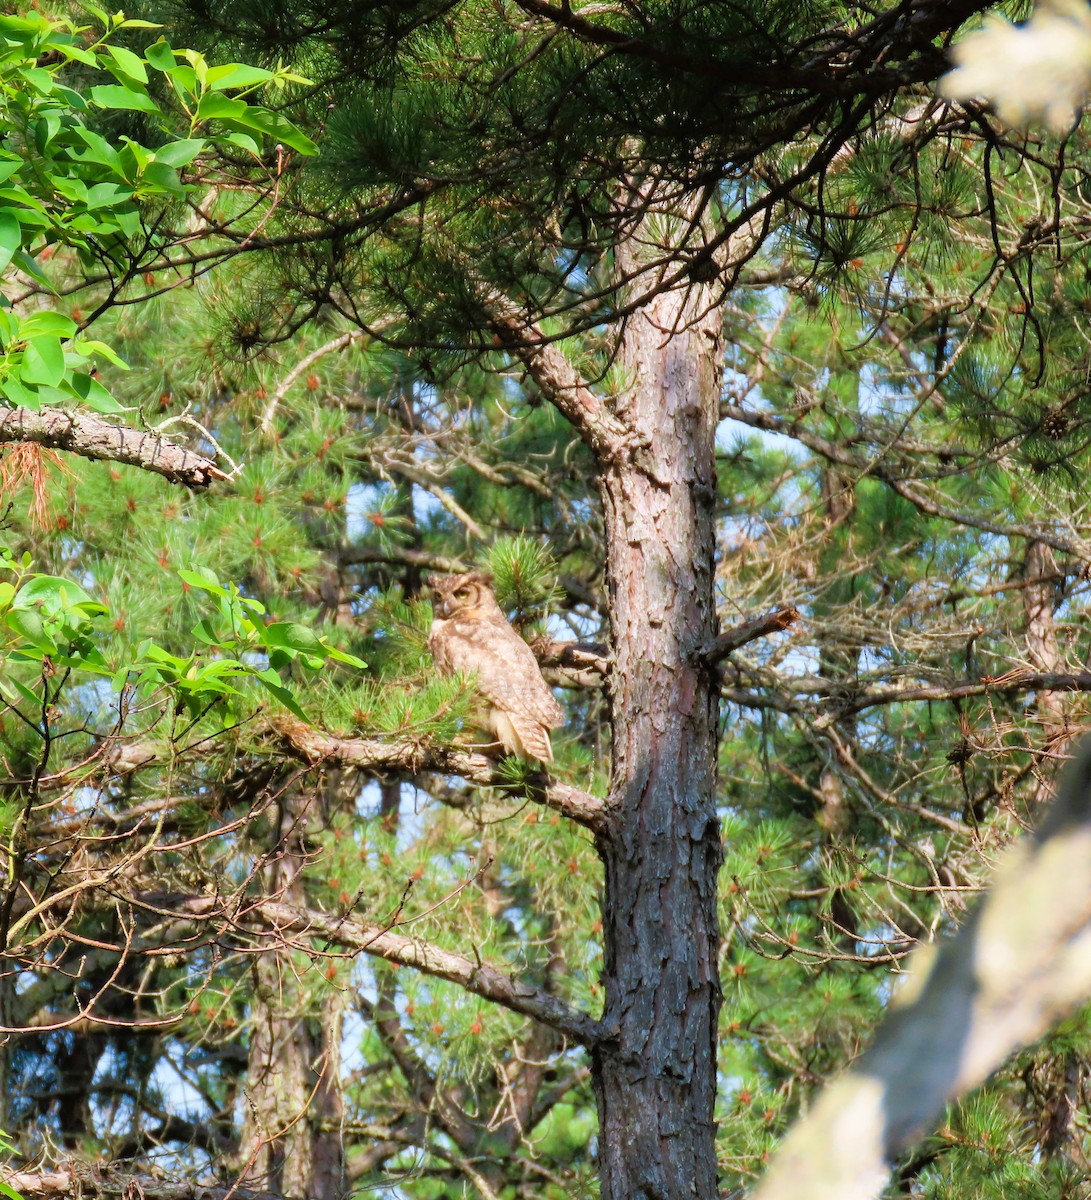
x=470 y=633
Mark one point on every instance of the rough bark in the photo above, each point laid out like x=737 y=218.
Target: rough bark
x=655 y=1069
x=80 y=1182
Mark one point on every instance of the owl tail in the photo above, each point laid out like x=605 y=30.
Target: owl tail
x=522 y=736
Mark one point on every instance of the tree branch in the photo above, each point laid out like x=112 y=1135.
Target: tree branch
x=369 y=754
x=87 y=1181
x=559 y=381
x=90 y=437
x=749 y=631
x=497 y=985
x=891 y=51
x=906 y=488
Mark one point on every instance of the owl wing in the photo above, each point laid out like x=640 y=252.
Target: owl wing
x=508 y=674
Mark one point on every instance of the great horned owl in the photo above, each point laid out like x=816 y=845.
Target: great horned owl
x=470 y=633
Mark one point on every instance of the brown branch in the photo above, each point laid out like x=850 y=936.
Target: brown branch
x=908 y=489
x=1013 y=683
x=559 y=381
x=90 y=437
x=585 y=664
x=495 y=984
x=369 y=754
x=749 y=631
x=571 y=664
x=891 y=51
x=490 y=983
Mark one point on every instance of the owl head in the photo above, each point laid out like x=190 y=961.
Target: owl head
x=468 y=595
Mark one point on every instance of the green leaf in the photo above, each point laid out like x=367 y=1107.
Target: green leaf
x=101 y=350
x=283 y=695
x=11 y=236
x=214 y=107
x=279 y=128
x=204 y=632
x=236 y=75
x=199 y=64
x=160 y=55
x=246 y=117
x=162 y=178
x=20 y=396
x=156 y=654
x=100 y=14
x=46 y=129
x=29 y=625
x=242 y=140
x=35 y=701
x=291 y=636
x=38 y=78
x=204 y=579
x=98 y=150
x=115 y=96
x=43 y=361
x=25 y=263
x=80 y=55
x=343 y=656
x=47 y=322
x=94 y=395
x=73 y=99
x=128 y=63
x=180 y=153
x=53 y=594
x=108 y=195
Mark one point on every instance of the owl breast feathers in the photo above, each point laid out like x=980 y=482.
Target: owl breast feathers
x=471 y=634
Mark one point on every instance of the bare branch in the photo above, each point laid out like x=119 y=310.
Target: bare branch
x=90 y=437
x=748 y=631
x=365 y=937
x=559 y=381
x=369 y=754
x=572 y=664
x=331 y=347
x=86 y=1181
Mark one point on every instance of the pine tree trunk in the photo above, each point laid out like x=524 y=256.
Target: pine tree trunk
x=655 y=1075
x=291 y=1143
x=1039 y=599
